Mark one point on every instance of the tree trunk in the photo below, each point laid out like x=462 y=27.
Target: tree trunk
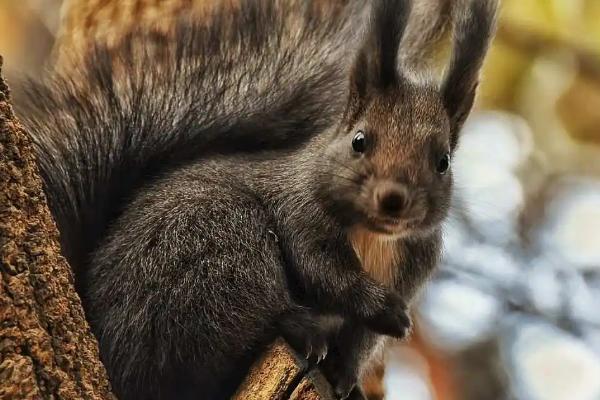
x=46 y=347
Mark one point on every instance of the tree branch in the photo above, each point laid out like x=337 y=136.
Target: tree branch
x=280 y=374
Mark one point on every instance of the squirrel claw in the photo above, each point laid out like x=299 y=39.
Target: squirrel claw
x=318 y=352
x=305 y=336
x=308 y=353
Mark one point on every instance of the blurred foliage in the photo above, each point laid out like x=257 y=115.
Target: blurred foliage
x=27 y=31
x=548 y=37
x=574 y=21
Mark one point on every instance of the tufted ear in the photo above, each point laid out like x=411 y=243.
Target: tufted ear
x=375 y=65
x=474 y=27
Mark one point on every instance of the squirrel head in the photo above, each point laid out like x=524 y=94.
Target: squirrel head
x=389 y=162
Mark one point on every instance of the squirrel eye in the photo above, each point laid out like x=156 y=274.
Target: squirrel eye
x=359 y=142
x=443 y=164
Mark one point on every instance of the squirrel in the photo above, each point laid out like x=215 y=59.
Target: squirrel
x=266 y=178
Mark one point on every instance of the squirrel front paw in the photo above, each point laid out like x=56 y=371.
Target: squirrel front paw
x=393 y=319
x=313 y=346
x=303 y=333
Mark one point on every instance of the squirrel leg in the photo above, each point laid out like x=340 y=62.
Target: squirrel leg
x=349 y=354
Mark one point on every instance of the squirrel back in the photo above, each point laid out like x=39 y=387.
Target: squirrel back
x=265 y=75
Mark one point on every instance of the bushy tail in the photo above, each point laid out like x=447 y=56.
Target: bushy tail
x=263 y=76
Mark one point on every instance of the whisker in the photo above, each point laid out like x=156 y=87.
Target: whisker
x=342 y=164
x=344 y=177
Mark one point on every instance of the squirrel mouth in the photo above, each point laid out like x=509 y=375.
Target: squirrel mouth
x=391 y=226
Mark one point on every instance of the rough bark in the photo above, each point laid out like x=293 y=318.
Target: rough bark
x=312 y=387
x=280 y=374
x=46 y=347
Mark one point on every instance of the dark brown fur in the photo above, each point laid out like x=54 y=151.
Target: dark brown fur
x=216 y=200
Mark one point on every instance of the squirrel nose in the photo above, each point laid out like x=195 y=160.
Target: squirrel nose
x=392 y=199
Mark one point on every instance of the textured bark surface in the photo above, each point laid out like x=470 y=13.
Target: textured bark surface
x=312 y=387
x=46 y=347
x=280 y=374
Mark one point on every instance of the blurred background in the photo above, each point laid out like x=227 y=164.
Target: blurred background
x=514 y=312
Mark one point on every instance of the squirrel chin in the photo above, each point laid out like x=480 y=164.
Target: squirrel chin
x=395 y=235
x=388 y=232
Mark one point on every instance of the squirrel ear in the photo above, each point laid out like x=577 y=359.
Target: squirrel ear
x=474 y=27
x=359 y=82
x=375 y=66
